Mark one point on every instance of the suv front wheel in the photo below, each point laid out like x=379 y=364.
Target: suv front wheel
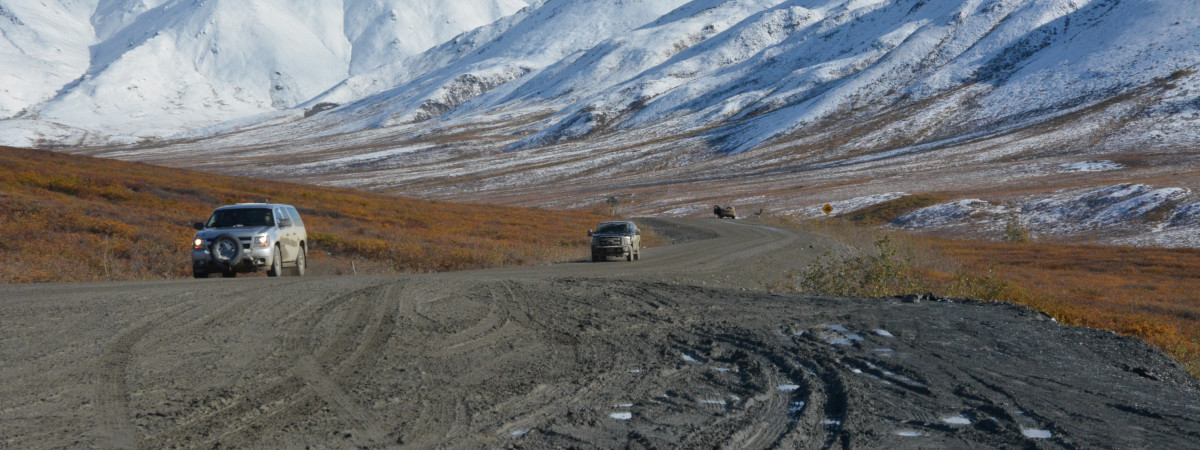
x=276 y=263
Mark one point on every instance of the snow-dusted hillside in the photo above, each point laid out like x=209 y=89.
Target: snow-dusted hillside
x=757 y=70
x=680 y=102
x=131 y=70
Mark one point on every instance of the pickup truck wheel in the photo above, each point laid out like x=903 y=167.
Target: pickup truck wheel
x=199 y=274
x=229 y=273
x=629 y=256
x=276 y=263
x=301 y=264
x=637 y=255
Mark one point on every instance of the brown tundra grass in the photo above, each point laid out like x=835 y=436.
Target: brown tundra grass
x=74 y=218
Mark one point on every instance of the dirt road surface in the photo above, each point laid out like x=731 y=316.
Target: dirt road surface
x=682 y=349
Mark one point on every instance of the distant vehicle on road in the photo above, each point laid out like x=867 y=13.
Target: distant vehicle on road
x=248 y=237
x=724 y=212
x=618 y=238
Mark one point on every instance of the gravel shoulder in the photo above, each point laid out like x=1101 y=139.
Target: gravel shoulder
x=682 y=349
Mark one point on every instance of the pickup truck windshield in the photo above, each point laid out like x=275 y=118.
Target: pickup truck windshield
x=241 y=217
x=613 y=228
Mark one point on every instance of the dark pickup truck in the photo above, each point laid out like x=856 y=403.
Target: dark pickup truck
x=622 y=239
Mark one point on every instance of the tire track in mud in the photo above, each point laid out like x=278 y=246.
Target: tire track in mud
x=117 y=428
x=307 y=384
x=636 y=355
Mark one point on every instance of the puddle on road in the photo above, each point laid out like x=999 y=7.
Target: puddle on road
x=957 y=420
x=1034 y=433
x=835 y=340
x=795 y=408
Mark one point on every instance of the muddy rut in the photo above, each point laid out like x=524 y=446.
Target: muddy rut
x=686 y=348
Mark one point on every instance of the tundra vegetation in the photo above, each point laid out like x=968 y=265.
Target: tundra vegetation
x=75 y=218
x=1147 y=293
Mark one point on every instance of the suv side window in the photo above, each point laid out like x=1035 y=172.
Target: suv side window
x=291 y=210
x=279 y=214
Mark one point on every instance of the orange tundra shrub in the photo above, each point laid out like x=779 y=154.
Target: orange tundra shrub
x=75 y=218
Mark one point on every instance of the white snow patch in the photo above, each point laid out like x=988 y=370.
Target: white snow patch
x=883 y=333
x=788 y=387
x=621 y=415
x=952 y=213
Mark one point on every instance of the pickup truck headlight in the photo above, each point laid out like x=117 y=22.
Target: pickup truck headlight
x=198 y=244
x=263 y=241
x=625 y=240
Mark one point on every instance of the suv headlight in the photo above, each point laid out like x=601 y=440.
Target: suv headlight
x=198 y=244
x=263 y=241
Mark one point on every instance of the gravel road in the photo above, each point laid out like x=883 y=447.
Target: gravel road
x=682 y=349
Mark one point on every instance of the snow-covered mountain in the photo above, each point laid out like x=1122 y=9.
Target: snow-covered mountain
x=817 y=101
x=750 y=70
x=128 y=70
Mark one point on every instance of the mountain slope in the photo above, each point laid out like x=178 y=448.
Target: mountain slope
x=160 y=67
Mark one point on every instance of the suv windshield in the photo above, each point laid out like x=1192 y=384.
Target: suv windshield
x=241 y=217
x=614 y=228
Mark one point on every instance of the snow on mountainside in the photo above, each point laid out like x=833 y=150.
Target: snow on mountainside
x=44 y=46
x=448 y=75
x=757 y=70
x=158 y=67
x=1002 y=105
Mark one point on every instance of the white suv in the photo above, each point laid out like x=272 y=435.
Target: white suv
x=248 y=237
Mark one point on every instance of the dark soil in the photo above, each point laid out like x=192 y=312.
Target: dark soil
x=682 y=349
